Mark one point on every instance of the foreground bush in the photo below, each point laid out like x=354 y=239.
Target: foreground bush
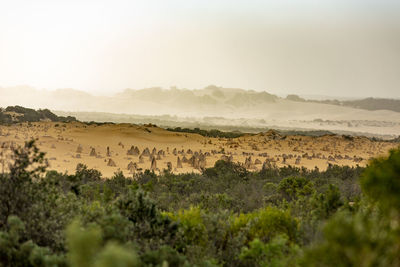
x=370 y=236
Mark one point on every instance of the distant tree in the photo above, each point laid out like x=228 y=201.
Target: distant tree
x=295 y=98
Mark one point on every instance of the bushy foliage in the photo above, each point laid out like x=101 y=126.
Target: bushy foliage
x=370 y=236
x=15 y=250
x=294 y=187
x=278 y=252
x=86 y=249
x=381 y=182
x=5 y=118
x=225 y=216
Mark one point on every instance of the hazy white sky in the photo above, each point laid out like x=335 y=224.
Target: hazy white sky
x=331 y=47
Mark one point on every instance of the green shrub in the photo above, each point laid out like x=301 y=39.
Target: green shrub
x=278 y=252
x=192 y=225
x=16 y=251
x=381 y=181
x=294 y=187
x=267 y=223
x=86 y=249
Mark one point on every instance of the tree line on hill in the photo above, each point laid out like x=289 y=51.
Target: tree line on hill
x=16 y=114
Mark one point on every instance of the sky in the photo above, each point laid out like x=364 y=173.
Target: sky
x=345 y=48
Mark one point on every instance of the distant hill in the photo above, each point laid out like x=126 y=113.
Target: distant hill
x=374 y=104
x=209 y=101
x=212 y=105
x=369 y=103
x=14 y=114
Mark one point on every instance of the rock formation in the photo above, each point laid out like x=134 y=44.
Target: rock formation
x=178 y=163
x=93 y=152
x=153 y=166
x=111 y=163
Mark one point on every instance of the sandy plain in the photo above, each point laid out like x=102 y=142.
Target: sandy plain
x=135 y=148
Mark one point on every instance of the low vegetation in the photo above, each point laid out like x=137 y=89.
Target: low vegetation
x=225 y=216
x=234 y=134
x=16 y=114
x=207 y=133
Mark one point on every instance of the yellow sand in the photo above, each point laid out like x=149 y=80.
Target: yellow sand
x=60 y=142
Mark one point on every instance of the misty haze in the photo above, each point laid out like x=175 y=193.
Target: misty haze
x=199 y=133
